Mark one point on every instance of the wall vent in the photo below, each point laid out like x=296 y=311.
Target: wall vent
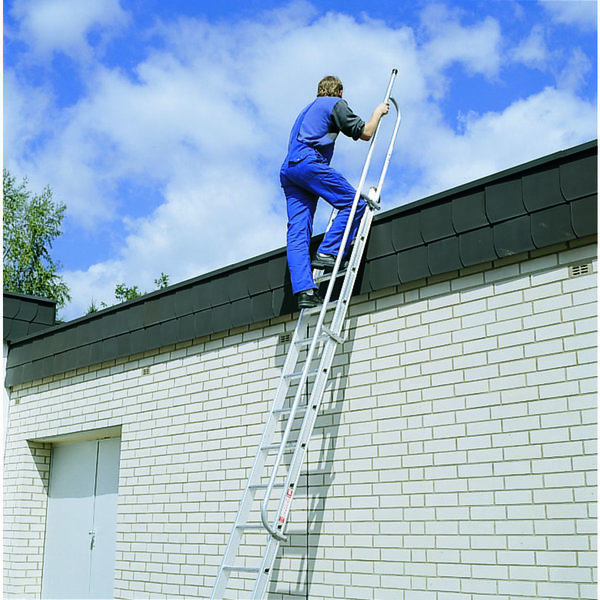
x=145 y=370
x=579 y=270
x=285 y=338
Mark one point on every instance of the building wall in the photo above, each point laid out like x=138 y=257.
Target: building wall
x=454 y=457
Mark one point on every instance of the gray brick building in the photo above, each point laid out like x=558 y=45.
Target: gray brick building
x=455 y=454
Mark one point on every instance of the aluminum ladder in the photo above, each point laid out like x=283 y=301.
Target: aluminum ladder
x=302 y=377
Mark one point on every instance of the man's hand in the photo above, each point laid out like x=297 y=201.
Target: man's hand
x=371 y=124
x=383 y=108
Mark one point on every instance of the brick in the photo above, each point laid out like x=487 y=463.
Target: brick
x=563 y=449
x=559 y=590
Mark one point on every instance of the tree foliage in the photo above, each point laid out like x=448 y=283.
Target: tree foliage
x=162 y=282
x=31 y=223
x=124 y=292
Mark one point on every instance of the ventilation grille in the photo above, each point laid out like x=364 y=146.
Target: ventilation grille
x=579 y=270
x=284 y=338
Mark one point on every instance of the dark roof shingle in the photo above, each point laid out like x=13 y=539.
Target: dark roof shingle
x=544 y=202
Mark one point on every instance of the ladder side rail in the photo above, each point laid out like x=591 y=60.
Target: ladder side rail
x=308 y=424
x=339 y=316
x=322 y=377
x=294 y=471
x=243 y=511
x=363 y=176
x=361 y=183
x=357 y=195
x=264 y=574
x=388 y=156
x=257 y=468
x=298 y=397
x=306 y=428
x=290 y=422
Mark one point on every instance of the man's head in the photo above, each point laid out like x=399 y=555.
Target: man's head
x=330 y=86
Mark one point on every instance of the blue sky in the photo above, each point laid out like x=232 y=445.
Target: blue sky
x=162 y=125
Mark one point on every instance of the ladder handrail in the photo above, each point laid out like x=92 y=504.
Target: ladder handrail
x=357 y=196
x=263 y=513
x=340 y=312
x=388 y=156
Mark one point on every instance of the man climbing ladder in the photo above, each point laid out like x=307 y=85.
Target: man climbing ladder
x=263 y=515
x=306 y=175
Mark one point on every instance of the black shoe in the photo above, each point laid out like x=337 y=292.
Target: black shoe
x=323 y=261
x=309 y=299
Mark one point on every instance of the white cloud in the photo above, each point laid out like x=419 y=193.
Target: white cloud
x=574 y=73
x=476 y=47
x=205 y=120
x=569 y=66
x=533 y=51
x=63 y=25
x=211 y=129
x=26 y=113
x=527 y=129
x=202 y=225
x=579 y=13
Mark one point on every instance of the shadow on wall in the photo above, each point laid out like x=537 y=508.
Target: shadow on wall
x=40 y=454
x=297 y=557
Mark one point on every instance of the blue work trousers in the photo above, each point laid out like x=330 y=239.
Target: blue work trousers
x=303 y=183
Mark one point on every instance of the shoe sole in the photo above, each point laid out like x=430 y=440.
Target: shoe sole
x=316 y=264
x=301 y=306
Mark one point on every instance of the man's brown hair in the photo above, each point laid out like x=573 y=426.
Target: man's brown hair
x=329 y=86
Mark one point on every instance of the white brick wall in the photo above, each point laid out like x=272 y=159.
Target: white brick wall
x=454 y=457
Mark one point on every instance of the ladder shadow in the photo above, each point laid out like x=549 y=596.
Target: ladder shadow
x=303 y=546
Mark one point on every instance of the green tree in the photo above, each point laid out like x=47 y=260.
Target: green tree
x=162 y=282
x=124 y=292
x=31 y=223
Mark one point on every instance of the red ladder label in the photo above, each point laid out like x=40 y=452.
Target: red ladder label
x=286 y=505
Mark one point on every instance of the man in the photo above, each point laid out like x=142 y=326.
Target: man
x=306 y=175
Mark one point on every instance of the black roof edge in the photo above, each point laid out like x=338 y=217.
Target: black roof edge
x=156 y=293
x=561 y=154
x=494 y=177
x=38 y=299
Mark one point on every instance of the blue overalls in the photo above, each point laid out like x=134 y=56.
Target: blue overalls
x=305 y=176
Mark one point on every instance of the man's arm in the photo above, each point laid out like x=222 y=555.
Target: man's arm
x=371 y=124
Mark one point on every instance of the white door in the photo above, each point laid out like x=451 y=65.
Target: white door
x=79 y=553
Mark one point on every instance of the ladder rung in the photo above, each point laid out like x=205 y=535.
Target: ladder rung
x=283 y=411
x=327 y=276
x=289 y=446
x=308 y=341
x=263 y=486
x=298 y=374
x=251 y=526
x=241 y=569
x=334 y=336
x=317 y=309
